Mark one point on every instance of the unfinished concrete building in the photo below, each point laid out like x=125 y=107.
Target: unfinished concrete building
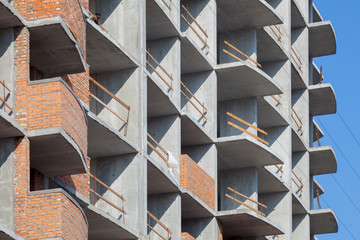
x=165 y=119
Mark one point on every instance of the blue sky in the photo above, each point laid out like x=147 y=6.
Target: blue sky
x=341 y=71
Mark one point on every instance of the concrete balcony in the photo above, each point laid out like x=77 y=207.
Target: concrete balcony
x=56 y=211
x=57 y=128
x=102 y=226
x=7 y=234
x=234 y=14
x=242 y=80
x=322 y=99
x=9 y=127
x=104 y=53
x=9 y=17
x=322 y=160
x=322 y=39
x=244 y=151
x=198 y=190
x=316 y=14
x=246 y=223
x=323 y=221
x=297 y=17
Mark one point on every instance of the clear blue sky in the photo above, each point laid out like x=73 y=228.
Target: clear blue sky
x=341 y=70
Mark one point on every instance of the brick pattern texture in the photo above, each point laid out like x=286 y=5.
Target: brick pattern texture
x=186 y=236
x=197 y=181
x=52 y=215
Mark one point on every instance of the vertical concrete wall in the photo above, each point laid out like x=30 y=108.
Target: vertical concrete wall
x=300 y=103
x=173 y=13
x=7 y=182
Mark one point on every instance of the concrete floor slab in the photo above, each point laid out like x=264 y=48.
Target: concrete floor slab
x=269 y=49
x=243 y=80
x=297 y=78
x=7 y=234
x=192 y=132
x=54 y=50
x=192 y=207
x=54 y=153
x=297 y=17
x=102 y=138
x=104 y=54
x=322 y=99
x=158 y=24
x=159 y=179
x=317 y=187
x=323 y=221
x=297 y=205
x=322 y=39
x=244 y=151
x=192 y=58
x=269 y=180
x=239 y=14
x=159 y=101
x=9 y=17
x=270 y=113
x=322 y=160
x=9 y=127
x=298 y=143
x=246 y=223
x=104 y=227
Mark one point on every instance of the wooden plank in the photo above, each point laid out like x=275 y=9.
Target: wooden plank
x=157 y=233
x=297 y=56
x=108 y=202
x=5 y=86
x=297 y=124
x=197 y=34
x=232 y=55
x=246 y=123
x=277 y=36
x=167 y=5
x=107 y=187
x=157 y=63
x=299 y=67
x=246 y=197
x=167 y=84
x=249 y=133
x=159 y=222
x=318 y=198
x=300 y=188
x=155 y=150
x=227 y=43
x=297 y=177
x=197 y=24
x=193 y=95
x=297 y=116
x=279 y=168
x=277 y=100
x=244 y=204
x=6 y=104
x=157 y=144
x=203 y=115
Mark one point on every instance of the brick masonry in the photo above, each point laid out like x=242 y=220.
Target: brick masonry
x=186 y=236
x=197 y=181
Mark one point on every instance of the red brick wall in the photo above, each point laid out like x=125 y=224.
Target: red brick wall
x=53 y=215
x=79 y=82
x=186 y=236
x=197 y=181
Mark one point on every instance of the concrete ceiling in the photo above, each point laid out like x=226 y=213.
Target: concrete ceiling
x=9 y=17
x=322 y=99
x=269 y=115
x=269 y=181
x=193 y=208
x=269 y=49
x=322 y=39
x=297 y=17
x=322 y=160
x=192 y=133
x=9 y=127
x=323 y=221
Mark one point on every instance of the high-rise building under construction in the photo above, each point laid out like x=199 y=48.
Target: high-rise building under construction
x=163 y=119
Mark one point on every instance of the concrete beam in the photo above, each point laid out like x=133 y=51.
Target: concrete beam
x=246 y=223
x=297 y=17
x=323 y=221
x=104 y=227
x=103 y=53
x=270 y=181
x=54 y=50
x=158 y=23
x=322 y=39
x=244 y=151
x=192 y=132
x=322 y=99
x=243 y=80
x=159 y=101
x=269 y=49
x=322 y=160
x=192 y=207
x=9 y=127
x=235 y=14
x=102 y=138
x=9 y=17
x=270 y=113
x=192 y=58
x=54 y=153
x=7 y=234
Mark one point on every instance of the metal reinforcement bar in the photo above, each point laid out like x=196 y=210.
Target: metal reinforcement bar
x=197 y=24
x=3 y=100
x=157 y=72
x=227 y=43
x=157 y=151
x=197 y=100
x=194 y=30
x=159 y=222
x=246 y=197
x=244 y=204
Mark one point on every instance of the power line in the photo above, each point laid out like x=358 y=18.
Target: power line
x=345 y=193
x=348 y=128
x=352 y=235
x=323 y=126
